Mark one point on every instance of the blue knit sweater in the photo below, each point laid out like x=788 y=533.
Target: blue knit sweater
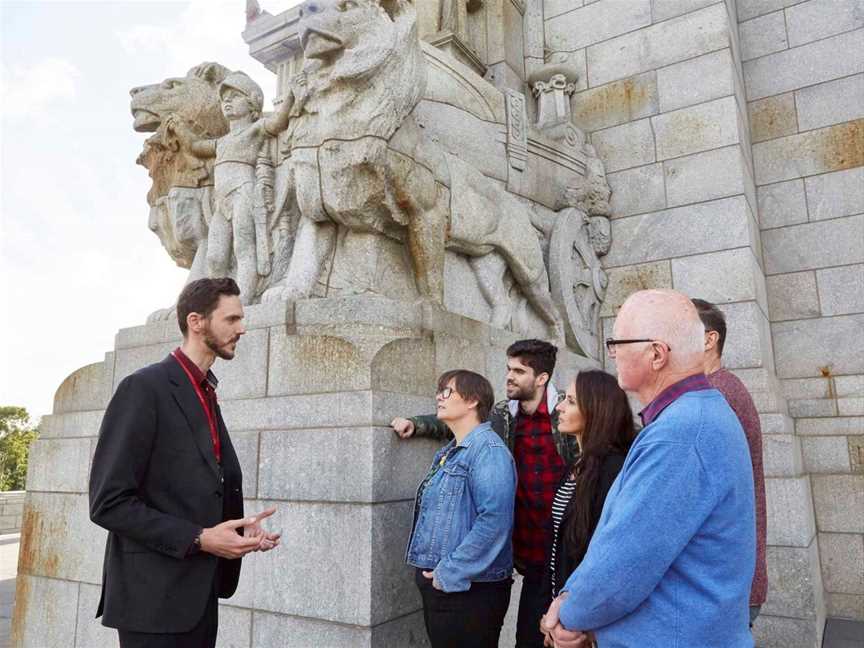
x=672 y=559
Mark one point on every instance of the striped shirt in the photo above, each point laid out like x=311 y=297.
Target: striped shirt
x=559 y=504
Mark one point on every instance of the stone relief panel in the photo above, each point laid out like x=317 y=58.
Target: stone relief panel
x=400 y=172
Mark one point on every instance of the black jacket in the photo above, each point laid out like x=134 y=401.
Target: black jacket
x=565 y=563
x=154 y=484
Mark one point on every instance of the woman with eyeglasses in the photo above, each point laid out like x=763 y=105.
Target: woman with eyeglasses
x=594 y=410
x=460 y=543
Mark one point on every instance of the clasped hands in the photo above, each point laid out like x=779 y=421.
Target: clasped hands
x=556 y=635
x=223 y=540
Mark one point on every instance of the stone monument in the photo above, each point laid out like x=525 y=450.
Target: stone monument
x=438 y=179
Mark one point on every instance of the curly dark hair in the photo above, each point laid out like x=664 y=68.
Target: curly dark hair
x=537 y=354
x=202 y=297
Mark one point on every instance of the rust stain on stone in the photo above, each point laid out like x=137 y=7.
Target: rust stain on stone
x=771 y=118
x=33 y=557
x=22 y=603
x=843 y=146
x=625 y=98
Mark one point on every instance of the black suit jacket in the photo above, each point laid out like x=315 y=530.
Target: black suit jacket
x=154 y=484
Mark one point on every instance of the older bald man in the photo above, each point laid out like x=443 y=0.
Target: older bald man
x=671 y=561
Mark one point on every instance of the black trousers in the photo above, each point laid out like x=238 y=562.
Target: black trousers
x=203 y=635
x=533 y=603
x=471 y=619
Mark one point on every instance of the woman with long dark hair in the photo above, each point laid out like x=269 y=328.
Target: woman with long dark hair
x=595 y=410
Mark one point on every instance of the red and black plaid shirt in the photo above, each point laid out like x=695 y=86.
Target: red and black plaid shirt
x=539 y=468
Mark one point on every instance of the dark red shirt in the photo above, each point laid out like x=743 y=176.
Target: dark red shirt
x=205 y=388
x=742 y=404
x=539 y=468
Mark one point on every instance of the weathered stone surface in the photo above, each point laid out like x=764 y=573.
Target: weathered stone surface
x=45 y=612
x=294 y=632
x=88 y=388
x=817 y=19
x=705 y=176
x=58 y=540
x=616 y=103
x=246 y=447
x=839 y=503
x=128 y=361
x=59 y=465
x=810 y=387
x=773 y=117
x=833 y=195
x=827 y=149
x=830 y=103
x=707 y=227
x=840 y=289
x=308 y=364
x=626 y=280
x=814 y=245
x=763 y=35
x=782 y=204
x=89 y=631
x=856 y=453
x=596 y=22
x=809 y=407
x=802 y=348
x=792 y=296
x=748 y=9
x=148 y=334
x=553 y=8
x=830 y=426
x=665 y=9
x=242 y=377
x=790 y=515
x=235 y=627
x=803 y=66
x=376 y=465
x=622 y=147
x=781 y=455
x=72 y=424
x=698 y=128
x=637 y=191
x=749 y=336
x=825 y=454
x=849 y=385
x=850 y=406
x=838 y=552
x=794 y=583
x=782 y=632
x=844 y=606
x=720 y=277
x=667 y=42
x=278 y=582
x=695 y=80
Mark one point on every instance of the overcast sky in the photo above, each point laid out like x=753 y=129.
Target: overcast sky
x=77 y=261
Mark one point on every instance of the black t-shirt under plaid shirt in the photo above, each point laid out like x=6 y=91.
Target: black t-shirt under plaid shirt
x=539 y=468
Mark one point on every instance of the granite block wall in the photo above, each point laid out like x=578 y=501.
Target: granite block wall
x=804 y=76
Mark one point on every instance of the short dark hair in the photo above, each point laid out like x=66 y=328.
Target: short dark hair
x=470 y=386
x=713 y=319
x=202 y=297
x=537 y=354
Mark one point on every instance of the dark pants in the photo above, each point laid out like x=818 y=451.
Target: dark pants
x=533 y=604
x=471 y=619
x=203 y=635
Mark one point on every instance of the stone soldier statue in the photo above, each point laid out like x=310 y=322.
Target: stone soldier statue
x=242 y=180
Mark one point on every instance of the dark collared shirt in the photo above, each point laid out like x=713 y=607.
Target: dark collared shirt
x=696 y=382
x=205 y=387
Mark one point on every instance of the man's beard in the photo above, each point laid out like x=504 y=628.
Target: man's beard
x=213 y=345
x=519 y=394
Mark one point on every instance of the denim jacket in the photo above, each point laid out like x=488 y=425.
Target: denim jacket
x=463 y=522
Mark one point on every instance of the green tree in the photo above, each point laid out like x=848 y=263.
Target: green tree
x=16 y=435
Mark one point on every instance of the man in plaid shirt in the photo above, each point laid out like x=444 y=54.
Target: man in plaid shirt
x=528 y=423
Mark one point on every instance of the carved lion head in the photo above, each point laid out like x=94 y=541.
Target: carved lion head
x=194 y=98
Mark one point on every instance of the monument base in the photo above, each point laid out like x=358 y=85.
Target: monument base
x=308 y=401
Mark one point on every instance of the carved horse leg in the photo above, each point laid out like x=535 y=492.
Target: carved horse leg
x=313 y=247
x=489 y=270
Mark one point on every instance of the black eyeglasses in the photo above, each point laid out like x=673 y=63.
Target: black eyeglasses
x=611 y=343
x=445 y=393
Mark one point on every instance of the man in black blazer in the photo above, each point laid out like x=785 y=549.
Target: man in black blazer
x=167 y=485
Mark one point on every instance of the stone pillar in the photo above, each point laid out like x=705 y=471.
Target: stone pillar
x=665 y=107
x=308 y=401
